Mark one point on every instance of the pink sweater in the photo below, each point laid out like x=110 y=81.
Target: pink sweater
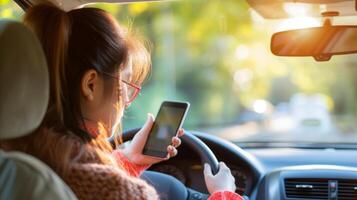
x=135 y=170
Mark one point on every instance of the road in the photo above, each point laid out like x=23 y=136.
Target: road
x=262 y=132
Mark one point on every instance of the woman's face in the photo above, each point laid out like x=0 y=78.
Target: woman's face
x=109 y=97
x=117 y=102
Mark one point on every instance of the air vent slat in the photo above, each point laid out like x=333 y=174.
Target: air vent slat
x=346 y=190
x=316 y=190
x=347 y=198
x=306 y=197
x=300 y=188
x=348 y=184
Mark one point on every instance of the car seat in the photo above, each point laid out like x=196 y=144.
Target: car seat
x=24 y=94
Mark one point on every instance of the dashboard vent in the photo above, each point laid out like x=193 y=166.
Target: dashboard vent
x=306 y=188
x=347 y=189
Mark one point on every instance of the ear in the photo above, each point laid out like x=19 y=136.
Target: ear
x=89 y=83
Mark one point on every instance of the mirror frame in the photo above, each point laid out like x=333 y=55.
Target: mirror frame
x=317 y=57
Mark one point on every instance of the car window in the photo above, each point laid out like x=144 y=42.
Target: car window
x=216 y=55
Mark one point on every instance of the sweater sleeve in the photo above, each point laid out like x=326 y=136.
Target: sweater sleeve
x=225 y=195
x=131 y=168
x=95 y=181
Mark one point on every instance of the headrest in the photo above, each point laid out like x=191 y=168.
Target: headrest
x=24 y=81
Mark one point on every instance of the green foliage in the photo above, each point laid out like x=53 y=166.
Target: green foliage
x=10 y=10
x=4 y=2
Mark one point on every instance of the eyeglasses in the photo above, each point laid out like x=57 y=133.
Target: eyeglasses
x=132 y=93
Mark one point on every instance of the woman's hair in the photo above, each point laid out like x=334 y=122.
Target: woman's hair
x=75 y=42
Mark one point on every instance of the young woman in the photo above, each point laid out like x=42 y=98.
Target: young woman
x=96 y=69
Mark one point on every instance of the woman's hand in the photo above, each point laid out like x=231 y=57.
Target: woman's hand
x=222 y=181
x=134 y=151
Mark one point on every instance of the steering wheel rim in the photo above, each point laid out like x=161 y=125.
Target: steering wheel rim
x=204 y=152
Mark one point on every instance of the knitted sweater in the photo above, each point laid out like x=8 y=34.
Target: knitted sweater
x=97 y=181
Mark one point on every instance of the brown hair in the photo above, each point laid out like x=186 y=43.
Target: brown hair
x=74 y=42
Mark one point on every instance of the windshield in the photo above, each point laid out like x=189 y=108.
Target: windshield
x=216 y=55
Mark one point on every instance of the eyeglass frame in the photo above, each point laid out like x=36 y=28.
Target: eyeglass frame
x=136 y=87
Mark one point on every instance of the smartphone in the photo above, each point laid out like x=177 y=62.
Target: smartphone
x=167 y=123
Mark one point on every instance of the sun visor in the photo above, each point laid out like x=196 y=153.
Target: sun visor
x=72 y=4
x=280 y=9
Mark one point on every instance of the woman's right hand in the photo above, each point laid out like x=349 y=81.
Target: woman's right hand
x=222 y=181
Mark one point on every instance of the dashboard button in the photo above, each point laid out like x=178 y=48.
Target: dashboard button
x=333 y=186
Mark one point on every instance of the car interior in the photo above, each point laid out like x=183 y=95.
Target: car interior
x=301 y=148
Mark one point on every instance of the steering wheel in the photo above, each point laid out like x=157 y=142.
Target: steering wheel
x=199 y=147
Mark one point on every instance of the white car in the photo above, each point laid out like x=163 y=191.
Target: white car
x=310 y=114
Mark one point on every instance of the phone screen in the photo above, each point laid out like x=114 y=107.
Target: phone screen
x=167 y=123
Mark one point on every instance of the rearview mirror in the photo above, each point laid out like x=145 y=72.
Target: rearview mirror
x=318 y=42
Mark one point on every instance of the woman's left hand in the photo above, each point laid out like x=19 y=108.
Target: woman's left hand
x=134 y=151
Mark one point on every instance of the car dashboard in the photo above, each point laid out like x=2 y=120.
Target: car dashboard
x=303 y=173
x=272 y=173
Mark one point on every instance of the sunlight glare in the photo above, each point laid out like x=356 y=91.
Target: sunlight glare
x=297 y=23
x=242 y=52
x=243 y=78
x=297 y=9
x=260 y=106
